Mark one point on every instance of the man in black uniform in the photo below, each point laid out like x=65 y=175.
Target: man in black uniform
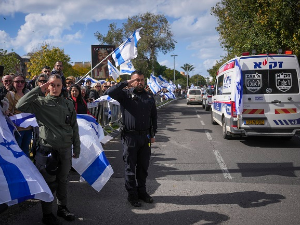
x=139 y=117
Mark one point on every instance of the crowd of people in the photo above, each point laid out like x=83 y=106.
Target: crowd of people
x=55 y=100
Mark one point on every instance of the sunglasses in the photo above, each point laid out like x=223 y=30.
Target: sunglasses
x=42 y=81
x=19 y=81
x=7 y=81
x=97 y=86
x=69 y=82
x=47 y=71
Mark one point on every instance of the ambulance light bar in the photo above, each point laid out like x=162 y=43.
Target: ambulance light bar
x=288 y=52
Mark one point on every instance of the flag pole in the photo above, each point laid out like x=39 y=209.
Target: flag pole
x=102 y=61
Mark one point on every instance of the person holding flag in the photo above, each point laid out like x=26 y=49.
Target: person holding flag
x=139 y=119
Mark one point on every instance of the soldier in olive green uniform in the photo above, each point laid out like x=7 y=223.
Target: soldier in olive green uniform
x=58 y=132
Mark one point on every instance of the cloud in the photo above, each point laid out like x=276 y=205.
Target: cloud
x=5 y=40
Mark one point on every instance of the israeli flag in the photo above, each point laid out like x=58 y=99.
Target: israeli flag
x=93 y=81
x=171 y=87
x=237 y=93
x=19 y=178
x=128 y=50
x=170 y=95
x=192 y=86
x=92 y=164
x=162 y=82
x=153 y=85
x=113 y=71
x=127 y=67
x=24 y=120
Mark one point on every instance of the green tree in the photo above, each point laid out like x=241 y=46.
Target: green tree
x=156 y=36
x=198 y=80
x=80 y=70
x=10 y=62
x=264 y=25
x=169 y=75
x=47 y=55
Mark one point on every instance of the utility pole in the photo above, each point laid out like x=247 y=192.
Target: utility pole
x=174 y=66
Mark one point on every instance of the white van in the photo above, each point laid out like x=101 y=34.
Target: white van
x=193 y=96
x=270 y=96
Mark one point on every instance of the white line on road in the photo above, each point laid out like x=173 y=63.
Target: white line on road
x=222 y=165
x=208 y=135
x=203 y=124
x=198 y=116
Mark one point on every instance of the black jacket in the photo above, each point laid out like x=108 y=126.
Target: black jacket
x=138 y=108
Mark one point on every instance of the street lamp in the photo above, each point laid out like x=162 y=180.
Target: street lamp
x=174 y=66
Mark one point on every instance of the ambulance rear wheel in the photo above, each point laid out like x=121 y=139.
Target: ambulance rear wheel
x=224 y=131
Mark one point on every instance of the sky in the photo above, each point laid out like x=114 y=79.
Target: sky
x=25 y=25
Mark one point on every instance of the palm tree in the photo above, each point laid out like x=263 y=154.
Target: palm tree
x=187 y=68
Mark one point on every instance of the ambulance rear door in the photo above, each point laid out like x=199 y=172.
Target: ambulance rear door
x=270 y=95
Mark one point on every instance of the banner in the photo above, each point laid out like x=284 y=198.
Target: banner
x=99 y=52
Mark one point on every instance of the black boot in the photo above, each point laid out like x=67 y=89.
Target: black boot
x=63 y=212
x=145 y=197
x=50 y=219
x=134 y=201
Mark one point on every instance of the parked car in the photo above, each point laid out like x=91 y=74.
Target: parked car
x=193 y=96
x=207 y=98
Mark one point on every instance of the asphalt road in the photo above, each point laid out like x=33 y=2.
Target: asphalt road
x=195 y=177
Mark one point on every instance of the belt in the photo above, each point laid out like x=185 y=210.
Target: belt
x=138 y=132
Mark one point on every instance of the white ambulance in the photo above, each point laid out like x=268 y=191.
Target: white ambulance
x=270 y=96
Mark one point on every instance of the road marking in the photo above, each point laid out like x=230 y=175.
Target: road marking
x=222 y=165
x=202 y=123
x=198 y=116
x=208 y=135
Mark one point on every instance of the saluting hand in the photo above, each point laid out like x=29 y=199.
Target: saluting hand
x=44 y=87
x=130 y=82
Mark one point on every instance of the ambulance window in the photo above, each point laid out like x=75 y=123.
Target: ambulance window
x=220 y=85
x=284 y=81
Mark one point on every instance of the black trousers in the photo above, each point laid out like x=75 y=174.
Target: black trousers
x=136 y=156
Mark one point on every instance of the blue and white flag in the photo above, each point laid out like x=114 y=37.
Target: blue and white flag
x=192 y=86
x=92 y=164
x=171 y=87
x=24 y=120
x=113 y=71
x=169 y=95
x=237 y=93
x=153 y=85
x=162 y=82
x=128 y=50
x=93 y=81
x=127 y=67
x=19 y=178
x=179 y=86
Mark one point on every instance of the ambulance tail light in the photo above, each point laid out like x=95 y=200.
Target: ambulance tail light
x=209 y=96
x=288 y=52
x=245 y=53
x=233 y=110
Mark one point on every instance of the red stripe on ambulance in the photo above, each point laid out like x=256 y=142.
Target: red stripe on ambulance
x=253 y=111
x=285 y=111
